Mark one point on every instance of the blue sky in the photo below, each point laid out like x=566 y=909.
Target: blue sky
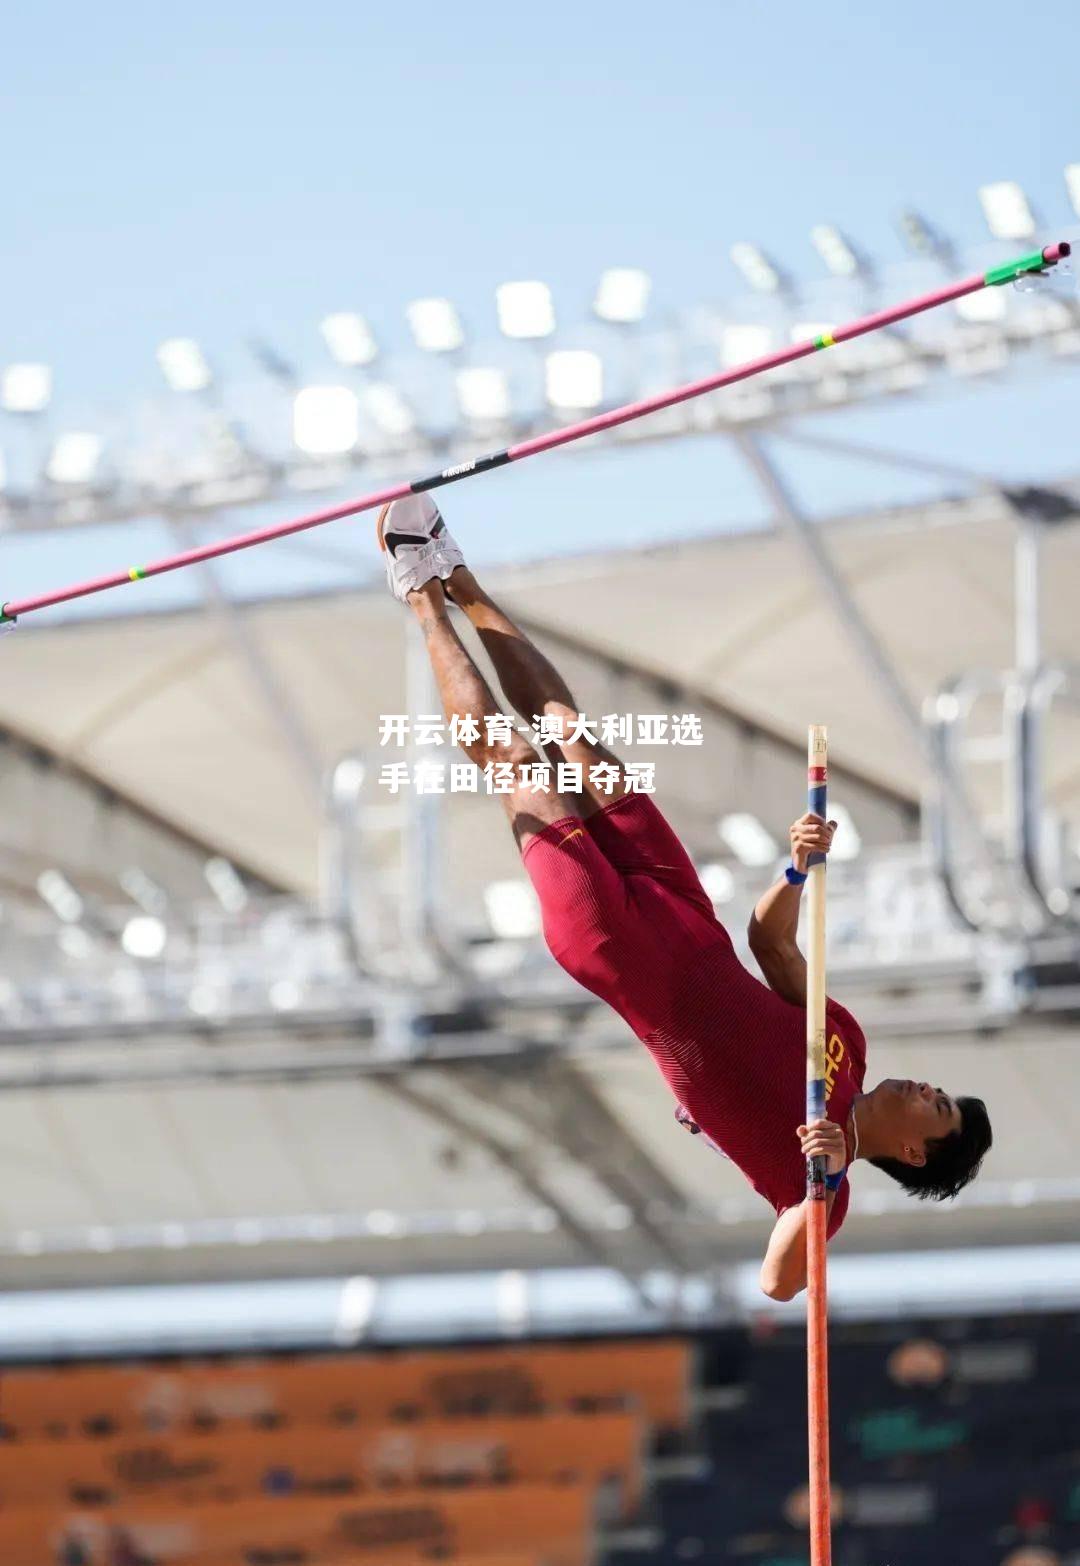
x=222 y=171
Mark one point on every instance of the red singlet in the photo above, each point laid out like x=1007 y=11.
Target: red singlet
x=625 y=914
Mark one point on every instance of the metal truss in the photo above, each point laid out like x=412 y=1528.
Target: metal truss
x=234 y=473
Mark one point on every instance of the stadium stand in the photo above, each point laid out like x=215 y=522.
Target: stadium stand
x=955 y=1440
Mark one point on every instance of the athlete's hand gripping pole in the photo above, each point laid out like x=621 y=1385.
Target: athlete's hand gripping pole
x=817 y=1344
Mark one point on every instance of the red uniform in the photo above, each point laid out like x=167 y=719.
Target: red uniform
x=625 y=914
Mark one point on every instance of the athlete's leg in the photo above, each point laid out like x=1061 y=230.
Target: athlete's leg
x=535 y=688
x=466 y=694
x=634 y=835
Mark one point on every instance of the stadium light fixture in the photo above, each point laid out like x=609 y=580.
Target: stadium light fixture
x=622 y=295
x=57 y=893
x=204 y=1000
x=183 y=364
x=1072 y=185
x=525 y=310
x=834 y=250
x=388 y=409
x=326 y=420
x=750 y=842
x=436 y=325
x=741 y=343
x=483 y=394
x=762 y=274
x=847 y=844
x=511 y=909
x=574 y=378
x=226 y=885
x=74 y=458
x=25 y=388
x=988 y=306
x=285 y=995
x=718 y=882
x=143 y=936
x=349 y=338
x=1006 y=209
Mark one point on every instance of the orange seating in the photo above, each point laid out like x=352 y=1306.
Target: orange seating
x=229 y=1559
x=237 y=1461
x=653 y=1374
x=554 y=1521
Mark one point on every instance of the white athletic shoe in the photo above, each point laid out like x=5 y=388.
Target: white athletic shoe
x=417 y=545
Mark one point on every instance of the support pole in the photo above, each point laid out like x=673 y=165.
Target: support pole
x=817 y=1341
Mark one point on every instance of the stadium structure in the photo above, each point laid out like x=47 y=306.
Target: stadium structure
x=286 y=1065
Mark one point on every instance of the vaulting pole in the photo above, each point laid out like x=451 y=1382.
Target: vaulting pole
x=1037 y=261
x=817 y=1338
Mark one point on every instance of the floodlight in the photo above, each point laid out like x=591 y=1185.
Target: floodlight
x=388 y=408
x=718 y=882
x=349 y=338
x=740 y=344
x=1006 y=209
x=834 y=250
x=757 y=269
x=57 y=892
x=483 y=394
x=987 y=305
x=285 y=995
x=435 y=324
x=748 y=839
x=225 y=884
x=622 y=295
x=511 y=909
x=204 y=1000
x=25 y=388
x=1072 y=185
x=74 y=458
x=326 y=420
x=847 y=843
x=525 y=309
x=143 y=936
x=183 y=364
x=574 y=378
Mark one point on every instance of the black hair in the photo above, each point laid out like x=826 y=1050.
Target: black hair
x=952 y=1161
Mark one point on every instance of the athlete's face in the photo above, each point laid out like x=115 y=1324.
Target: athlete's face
x=914 y=1113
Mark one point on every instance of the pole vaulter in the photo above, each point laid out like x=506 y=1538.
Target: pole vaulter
x=625 y=914
x=1038 y=261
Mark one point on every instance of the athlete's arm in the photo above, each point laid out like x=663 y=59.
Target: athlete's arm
x=783 y=1272
x=775 y=921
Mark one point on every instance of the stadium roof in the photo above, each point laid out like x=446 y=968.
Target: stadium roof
x=435 y=1167
x=219 y=725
